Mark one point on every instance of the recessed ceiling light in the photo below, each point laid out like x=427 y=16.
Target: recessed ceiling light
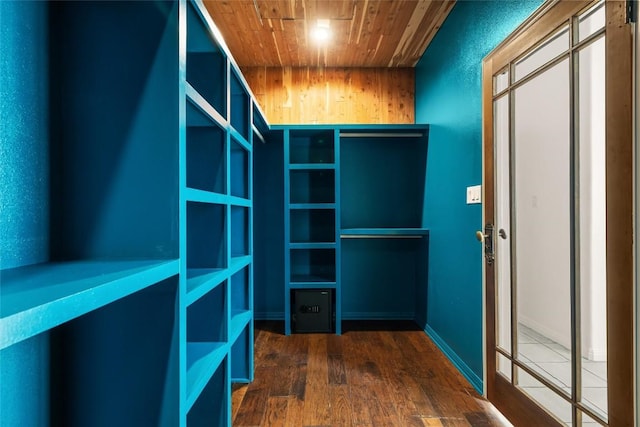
x=321 y=32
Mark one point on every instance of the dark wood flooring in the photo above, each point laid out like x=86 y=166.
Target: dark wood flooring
x=374 y=374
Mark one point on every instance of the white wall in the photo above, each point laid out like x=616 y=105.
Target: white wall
x=593 y=274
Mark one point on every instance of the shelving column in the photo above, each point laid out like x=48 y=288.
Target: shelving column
x=240 y=211
x=204 y=318
x=312 y=241
x=216 y=225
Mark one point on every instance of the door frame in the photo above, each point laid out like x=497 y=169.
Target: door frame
x=619 y=210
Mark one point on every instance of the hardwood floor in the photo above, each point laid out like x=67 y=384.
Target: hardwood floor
x=374 y=374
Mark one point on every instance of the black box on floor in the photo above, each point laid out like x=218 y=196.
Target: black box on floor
x=312 y=310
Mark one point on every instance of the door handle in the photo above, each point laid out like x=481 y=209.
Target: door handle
x=502 y=233
x=487 y=238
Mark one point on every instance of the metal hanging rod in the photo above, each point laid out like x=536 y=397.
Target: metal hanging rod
x=380 y=135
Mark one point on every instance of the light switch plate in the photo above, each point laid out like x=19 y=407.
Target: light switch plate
x=474 y=194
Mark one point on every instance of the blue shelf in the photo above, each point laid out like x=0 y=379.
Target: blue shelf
x=239 y=201
x=240 y=139
x=195 y=195
x=310 y=278
x=312 y=166
x=199 y=101
x=39 y=297
x=238 y=263
x=203 y=359
x=311 y=284
x=313 y=245
x=239 y=320
x=312 y=206
x=202 y=280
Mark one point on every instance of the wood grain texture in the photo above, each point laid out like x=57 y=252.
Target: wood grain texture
x=375 y=374
x=364 y=33
x=620 y=215
x=334 y=95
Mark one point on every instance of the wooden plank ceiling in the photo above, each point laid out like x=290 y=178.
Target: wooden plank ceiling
x=364 y=33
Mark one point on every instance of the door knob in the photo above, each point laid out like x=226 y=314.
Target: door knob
x=487 y=238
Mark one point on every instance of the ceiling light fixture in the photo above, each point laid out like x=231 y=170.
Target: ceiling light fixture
x=321 y=32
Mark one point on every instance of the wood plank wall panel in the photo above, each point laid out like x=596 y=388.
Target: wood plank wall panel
x=334 y=95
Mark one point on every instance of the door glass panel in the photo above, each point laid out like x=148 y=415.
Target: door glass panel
x=548 y=50
x=592 y=219
x=502 y=246
x=590 y=21
x=587 y=421
x=503 y=365
x=545 y=397
x=542 y=230
x=501 y=81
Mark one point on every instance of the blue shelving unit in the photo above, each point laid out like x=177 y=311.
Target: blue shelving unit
x=354 y=223
x=312 y=223
x=217 y=197
x=138 y=308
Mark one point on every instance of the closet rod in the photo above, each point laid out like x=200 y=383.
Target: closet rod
x=379 y=236
x=380 y=135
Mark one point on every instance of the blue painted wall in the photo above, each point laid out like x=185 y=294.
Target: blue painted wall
x=24 y=134
x=24 y=215
x=448 y=97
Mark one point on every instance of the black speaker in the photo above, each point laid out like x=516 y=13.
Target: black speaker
x=312 y=310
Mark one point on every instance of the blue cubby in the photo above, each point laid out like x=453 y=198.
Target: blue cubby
x=240 y=237
x=311 y=146
x=382 y=177
x=212 y=407
x=313 y=265
x=242 y=357
x=112 y=148
x=240 y=106
x=312 y=225
x=206 y=341
x=206 y=241
x=239 y=159
x=206 y=62
x=206 y=148
x=133 y=353
x=240 y=292
x=312 y=186
x=241 y=328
